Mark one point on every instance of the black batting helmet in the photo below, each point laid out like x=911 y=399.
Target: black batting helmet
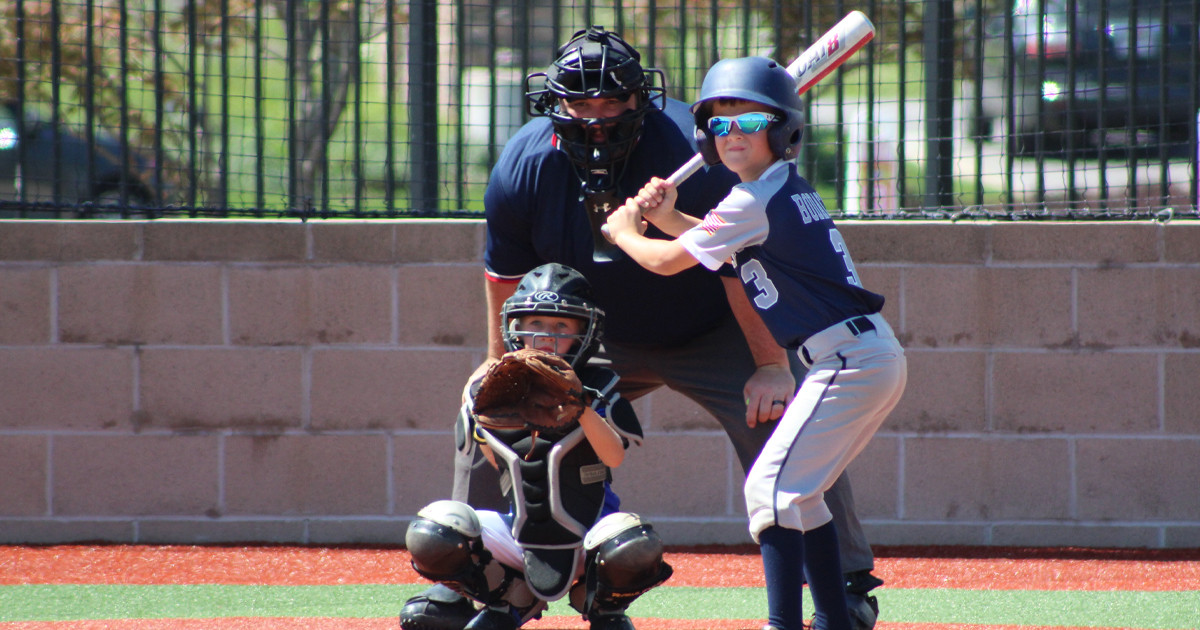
x=595 y=63
x=757 y=79
x=558 y=291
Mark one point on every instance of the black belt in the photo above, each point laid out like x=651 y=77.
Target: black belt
x=860 y=325
x=857 y=325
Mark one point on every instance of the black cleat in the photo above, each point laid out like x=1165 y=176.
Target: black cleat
x=613 y=621
x=863 y=609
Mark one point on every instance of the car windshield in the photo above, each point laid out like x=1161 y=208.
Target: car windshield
x=1135 y=30
x=1132 y=28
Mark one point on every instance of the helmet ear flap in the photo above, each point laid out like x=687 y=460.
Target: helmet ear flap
x=785 y=136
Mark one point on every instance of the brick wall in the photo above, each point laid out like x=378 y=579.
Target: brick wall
x=218 y=381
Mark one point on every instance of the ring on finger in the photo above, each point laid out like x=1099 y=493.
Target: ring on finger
x=778 y=402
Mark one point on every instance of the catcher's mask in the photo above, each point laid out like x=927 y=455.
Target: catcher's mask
x=558 y=291
x=595 y=63
x=757 y=79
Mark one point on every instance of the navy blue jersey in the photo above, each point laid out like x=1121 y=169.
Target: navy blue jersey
x=535 y=216
x=790 y=256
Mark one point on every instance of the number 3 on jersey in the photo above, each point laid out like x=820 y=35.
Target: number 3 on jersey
x=839 y=246
x=752 y=272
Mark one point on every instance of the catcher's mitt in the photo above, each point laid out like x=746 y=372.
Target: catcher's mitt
x=530 y=388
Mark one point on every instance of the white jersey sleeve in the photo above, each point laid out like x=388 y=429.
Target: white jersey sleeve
x=738 y=222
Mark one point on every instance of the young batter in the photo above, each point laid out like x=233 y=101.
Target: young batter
x=797 y=272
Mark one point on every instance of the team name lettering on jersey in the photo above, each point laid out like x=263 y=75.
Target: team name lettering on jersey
x=811 y=207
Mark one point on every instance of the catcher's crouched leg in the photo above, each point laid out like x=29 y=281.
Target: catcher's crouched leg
x=446 y=543
x=624 y=560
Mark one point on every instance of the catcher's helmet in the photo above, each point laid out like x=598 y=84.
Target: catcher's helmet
x=757 y=79
x=559 y=291
x=595 y=63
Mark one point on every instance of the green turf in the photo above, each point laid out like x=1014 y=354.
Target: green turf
x=1098 y=609
x=61 y=602
x=1106 y=609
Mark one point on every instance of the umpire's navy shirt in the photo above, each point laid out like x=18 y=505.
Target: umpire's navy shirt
x=535 y=216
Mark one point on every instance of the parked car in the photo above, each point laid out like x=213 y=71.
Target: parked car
x=44 y=177
x=1123 y=76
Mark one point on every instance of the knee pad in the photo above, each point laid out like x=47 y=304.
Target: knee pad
x=624 y=560
x=446 y=543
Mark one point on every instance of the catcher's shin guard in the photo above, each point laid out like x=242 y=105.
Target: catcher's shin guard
x=624 y=560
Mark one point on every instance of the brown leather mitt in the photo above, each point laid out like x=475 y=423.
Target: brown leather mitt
x=530 y=388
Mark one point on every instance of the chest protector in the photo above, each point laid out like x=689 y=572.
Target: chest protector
x=555 y=485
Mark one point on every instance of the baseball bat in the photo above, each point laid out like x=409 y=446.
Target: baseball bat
x=824 y=56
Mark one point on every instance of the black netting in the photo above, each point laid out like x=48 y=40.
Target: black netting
x=986 y=109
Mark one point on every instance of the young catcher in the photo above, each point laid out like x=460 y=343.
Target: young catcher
x=554 y=426
x=797 y=272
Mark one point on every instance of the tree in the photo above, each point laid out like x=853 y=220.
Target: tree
x=323 y=58
x=137 y=69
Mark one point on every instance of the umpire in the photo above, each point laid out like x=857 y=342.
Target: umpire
x=602 y=128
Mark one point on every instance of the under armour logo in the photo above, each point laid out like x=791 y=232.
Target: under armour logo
x=604 y=208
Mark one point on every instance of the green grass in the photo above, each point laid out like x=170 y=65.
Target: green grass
x=59 y=602
x=1099 y=609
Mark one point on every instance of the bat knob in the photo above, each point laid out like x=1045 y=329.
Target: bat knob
x=605 y=232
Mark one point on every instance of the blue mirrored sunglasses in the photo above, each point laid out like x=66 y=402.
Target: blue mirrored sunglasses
x=751 y=122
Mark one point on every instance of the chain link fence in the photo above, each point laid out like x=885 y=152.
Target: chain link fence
x=388 y=108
